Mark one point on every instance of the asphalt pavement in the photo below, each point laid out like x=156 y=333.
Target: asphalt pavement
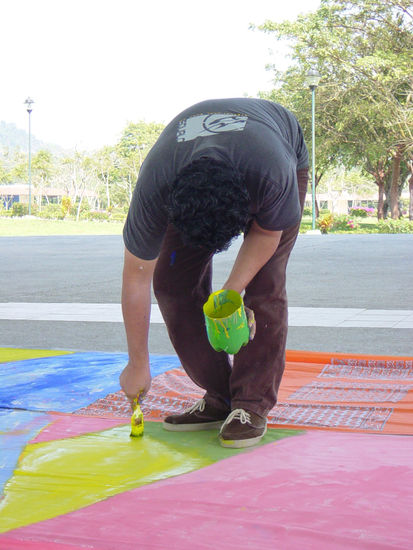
x=325 y=272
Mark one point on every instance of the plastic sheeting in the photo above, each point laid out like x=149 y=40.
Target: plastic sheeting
x=79 y=481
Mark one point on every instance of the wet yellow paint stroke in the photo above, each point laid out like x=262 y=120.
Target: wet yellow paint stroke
x=14 y=354
x=222 y=324
x=57 y=477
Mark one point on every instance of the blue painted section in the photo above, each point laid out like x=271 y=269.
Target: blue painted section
x=67 y=382
x=17 y=428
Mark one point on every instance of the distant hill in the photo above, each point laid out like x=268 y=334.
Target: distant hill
x=13 y=138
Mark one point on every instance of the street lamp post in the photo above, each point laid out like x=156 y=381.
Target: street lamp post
x=313 y=79
x=28 y=104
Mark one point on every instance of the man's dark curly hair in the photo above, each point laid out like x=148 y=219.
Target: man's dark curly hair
x=208 y=204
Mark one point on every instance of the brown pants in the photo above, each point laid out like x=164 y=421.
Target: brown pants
x=182 y=284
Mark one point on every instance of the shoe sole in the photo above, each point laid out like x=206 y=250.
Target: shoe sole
x=241 y=443
x=199 y=426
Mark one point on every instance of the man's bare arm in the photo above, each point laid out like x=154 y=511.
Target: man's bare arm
x=136 y=308
x=258 y=247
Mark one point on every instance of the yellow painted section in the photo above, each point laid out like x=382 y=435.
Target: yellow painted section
x=12 y=354
x=57 y=477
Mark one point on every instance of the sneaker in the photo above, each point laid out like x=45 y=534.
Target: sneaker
x=242 y=429
x=200 y=416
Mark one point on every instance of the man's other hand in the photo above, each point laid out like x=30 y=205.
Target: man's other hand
x=251 y=322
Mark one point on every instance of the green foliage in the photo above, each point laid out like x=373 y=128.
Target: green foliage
x=336 y=223
x=138 y=138
x=363 y=50
x=118 y=214
x=95 y=216
x=395 y=226
x=52 y=212
x=65 y=206
x=362 y=211
x=307 y=211
x=20 y=209
x=5 y=176
x=344 y=223
x=325 y=222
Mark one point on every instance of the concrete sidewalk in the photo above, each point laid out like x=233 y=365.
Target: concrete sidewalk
x=347 y=293
x=298 y=316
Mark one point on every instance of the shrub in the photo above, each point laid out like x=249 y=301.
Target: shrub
x=92 y=215
x=66 y=206
x=325 y=222
x=118 y=217
x=6 y=213
x=344 y=223
x=395 y=226
x=362 y=211
x=307 y=211
x=19 y=209
x=52 y=212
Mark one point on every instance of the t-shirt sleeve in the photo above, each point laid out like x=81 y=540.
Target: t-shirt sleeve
x=280 y=210
x=145 y=225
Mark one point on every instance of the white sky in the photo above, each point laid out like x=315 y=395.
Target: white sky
x=92 y=66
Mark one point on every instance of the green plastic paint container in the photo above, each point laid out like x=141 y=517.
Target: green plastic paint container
x=226 y=321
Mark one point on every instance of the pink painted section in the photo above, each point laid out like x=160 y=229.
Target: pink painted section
x=317 y=491
x=12 y=544
x=70 y=426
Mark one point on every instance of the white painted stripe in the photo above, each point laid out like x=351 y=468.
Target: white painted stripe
x=298 y=316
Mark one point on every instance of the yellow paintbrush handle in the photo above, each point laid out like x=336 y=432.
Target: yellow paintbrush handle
x=137 y=419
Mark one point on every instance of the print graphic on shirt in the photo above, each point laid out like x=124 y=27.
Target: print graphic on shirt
x=205 y=125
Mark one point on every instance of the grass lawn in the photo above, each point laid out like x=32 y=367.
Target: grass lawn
x=26 y=226
x=22 y=227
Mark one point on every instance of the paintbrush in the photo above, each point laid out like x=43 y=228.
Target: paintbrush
x=137 y=419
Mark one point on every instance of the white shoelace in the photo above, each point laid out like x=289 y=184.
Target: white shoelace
x=198 y=406
x=238 y=414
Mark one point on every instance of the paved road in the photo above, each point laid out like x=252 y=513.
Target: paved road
x=372 y=272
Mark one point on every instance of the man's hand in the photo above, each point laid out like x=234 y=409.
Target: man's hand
x=251 y=322
x=134 y=381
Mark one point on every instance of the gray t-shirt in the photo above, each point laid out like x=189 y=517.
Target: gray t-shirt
x=260 y=139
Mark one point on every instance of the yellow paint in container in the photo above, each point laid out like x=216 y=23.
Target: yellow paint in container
x=137 y=419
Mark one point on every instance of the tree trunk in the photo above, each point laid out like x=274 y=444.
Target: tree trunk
x=410 y=165
x=380 y=203
x=394 y=186
x=78 y=208
x=107 y=192
x=411 y=197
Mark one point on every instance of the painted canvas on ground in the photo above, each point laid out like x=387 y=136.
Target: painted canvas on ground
x=334 y=465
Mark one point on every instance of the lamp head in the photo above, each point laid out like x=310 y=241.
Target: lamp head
x=29 y=101
x=313 y=79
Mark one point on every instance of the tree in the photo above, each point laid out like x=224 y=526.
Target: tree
x=42 y=166
x=107 y=169
x=79 y=180
x=363 y=49
x=135 y=143
x=4 y=173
